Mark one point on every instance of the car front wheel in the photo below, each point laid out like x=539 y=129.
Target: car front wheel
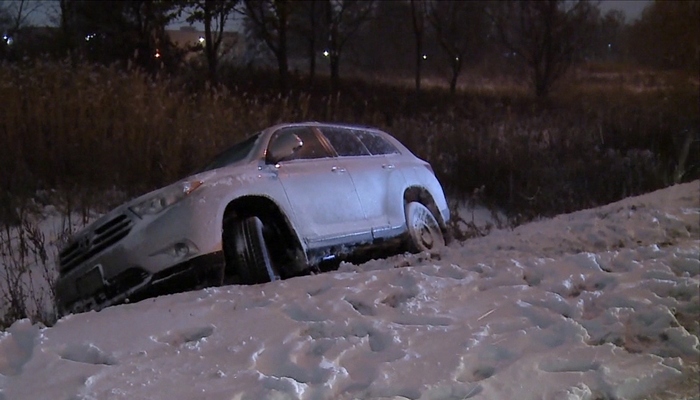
x=424 y=233
x=251 y=254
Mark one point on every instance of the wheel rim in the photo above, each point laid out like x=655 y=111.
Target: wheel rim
x=423 y=228
x=426 y=237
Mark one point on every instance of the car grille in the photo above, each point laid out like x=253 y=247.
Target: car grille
x=126 y=280
x=91 y=242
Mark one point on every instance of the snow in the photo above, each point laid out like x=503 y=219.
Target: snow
x=601 y=303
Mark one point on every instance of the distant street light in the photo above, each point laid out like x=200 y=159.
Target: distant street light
x=425 y=56
x=326 y=53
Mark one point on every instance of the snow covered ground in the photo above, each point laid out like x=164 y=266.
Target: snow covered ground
x=597 y=304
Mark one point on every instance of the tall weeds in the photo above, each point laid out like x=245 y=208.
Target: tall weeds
x=87 y=129
x=27 y=279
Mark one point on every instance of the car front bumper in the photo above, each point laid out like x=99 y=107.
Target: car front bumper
x=92 y=292
x=122 y=254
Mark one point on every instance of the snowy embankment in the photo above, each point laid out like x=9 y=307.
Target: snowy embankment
x=598 y=304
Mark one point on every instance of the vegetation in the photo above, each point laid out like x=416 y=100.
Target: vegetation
x=667 y=35
x=542 y=38
x=95 y=127
x=89 y=111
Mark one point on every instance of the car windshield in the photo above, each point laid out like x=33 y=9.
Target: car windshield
x=234 y=154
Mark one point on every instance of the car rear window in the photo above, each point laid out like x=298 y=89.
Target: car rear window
x=345 y=142
x=375 y=143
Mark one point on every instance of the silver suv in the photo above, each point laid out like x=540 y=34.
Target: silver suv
x=287 y=200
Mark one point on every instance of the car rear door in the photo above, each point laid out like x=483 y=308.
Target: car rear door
x=326 y=206
x=369 y=160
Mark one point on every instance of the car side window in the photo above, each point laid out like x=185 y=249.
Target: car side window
x=311 y=148
x=345 y=142
x=375 y=143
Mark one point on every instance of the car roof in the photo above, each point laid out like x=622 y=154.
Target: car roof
x=326 y=124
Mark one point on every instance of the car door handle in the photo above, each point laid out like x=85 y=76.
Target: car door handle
x=388 y=166
x=337 y=169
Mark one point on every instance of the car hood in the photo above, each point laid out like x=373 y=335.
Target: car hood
x=230 y=174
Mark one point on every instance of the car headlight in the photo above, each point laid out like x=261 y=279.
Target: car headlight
x=165 y=198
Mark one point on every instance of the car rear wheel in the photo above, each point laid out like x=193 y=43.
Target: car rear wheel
x=251 y=254
x=424 y=233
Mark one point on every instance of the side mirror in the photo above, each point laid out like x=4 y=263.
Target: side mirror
x=283 y=147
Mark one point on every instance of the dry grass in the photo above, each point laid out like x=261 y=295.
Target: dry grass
x=85 y=129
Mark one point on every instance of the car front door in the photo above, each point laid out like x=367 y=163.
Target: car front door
x=327 y=209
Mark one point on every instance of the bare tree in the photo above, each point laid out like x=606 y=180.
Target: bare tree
x=124 y=31
x=5 y=21
x=459 y=27
x=148 y=19
x=18 y=12
x=343 y=19
x=213 y=14
x=603 y=36
x=668 y=35
x=545 y=34
x=66 y=18
x=13 y=17
x=307 y=23
x=419 y=12
x=269 y=20
x=5 y=18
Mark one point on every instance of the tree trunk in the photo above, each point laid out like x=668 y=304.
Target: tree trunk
x=312 y=43
x=67 y=26
x=334 y=56
x=209 y=48
x=453 y=85
x=418 y=34
x=282 y=61
x=335 y=72
x=419 y=60
x=541 y=89
x=312 y=60
x=456 y=69
x=284 y=74
x=541 y=82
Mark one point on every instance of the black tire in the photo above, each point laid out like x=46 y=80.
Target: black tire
x=250 y=252
x=424 y=233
